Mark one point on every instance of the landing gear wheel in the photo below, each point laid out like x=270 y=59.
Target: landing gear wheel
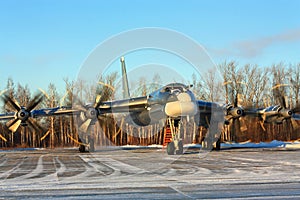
x=180 y=148
x=207 y=145
x=217 y=145
x=81 y=148
x=171 y=148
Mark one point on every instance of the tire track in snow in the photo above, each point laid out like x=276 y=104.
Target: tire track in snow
x=8 y=172
x=118 y=167
x=97 y=166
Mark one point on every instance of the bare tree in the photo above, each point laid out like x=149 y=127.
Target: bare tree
x=198 y=87
x=52 y=101
x=295 y=82
x=212 y=86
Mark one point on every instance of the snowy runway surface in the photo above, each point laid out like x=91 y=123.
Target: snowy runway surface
x=150 y=174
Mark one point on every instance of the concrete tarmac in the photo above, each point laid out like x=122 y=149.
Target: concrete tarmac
x=114 y=173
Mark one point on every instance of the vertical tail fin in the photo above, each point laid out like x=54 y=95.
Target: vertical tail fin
x=126 y=94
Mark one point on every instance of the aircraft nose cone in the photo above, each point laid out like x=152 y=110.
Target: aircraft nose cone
x=184 y=106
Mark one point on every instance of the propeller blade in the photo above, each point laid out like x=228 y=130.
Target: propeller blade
x=38 y=98
x=243 y=126
x=85 y=126
x=10 y=107
x=44 y=93
x=262 y=125
x=283 y=102
x=279 y=95
x=35 y=125
x=15 y=125
x=11 y=122
x=11 y=102
x=3 y=138
x=2 y=92
x=98 y=101
x=106 y=85
x=237 y=125
x=44 y=136
x=77 y=141
x=235 y=103
x=294 y=124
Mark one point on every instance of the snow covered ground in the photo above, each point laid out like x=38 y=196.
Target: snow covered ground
x=273 y=144
x=264 y=171
x=228 y=145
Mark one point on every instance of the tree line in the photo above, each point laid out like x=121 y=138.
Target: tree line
x=251 y=86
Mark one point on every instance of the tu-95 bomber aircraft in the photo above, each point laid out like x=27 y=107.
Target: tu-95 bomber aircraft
x=172 y=102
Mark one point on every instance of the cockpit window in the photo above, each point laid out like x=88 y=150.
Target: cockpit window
x=174 y=87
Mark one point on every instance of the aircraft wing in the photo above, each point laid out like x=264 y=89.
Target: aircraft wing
x=43 y=112
x=54 y=111
x=254 y=112
x=129 y=105
x=118 y=106
x=296 y=116
x=7 y=116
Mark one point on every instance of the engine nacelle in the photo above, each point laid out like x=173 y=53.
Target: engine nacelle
x=286 y=113
x=150 y=116
x=235 y=112
x=141 y=118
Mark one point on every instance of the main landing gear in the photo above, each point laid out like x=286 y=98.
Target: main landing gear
x=175 y=146
x=212 y=142
x=86 y=147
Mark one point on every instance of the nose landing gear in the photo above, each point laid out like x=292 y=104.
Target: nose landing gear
x=175 y=146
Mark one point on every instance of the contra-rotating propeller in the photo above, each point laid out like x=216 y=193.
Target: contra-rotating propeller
x=234 y=113
x=90 y=113
x=284 y=111
x=22 y=115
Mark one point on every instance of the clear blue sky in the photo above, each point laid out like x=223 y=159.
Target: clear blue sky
x=42 y=42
